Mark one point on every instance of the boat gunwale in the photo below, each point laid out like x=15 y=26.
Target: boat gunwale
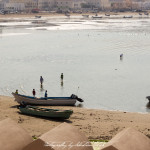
x=45 y=109
x=42 y=98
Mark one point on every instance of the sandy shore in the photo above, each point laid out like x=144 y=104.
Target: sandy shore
x=95 y=124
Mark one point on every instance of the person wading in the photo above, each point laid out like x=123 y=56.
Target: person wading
x=62 y=76
x=41 y=80
x=46 y=94
x=33 y=92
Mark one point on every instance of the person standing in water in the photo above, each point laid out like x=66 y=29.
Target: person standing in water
x=41 y=80
x=33 y=92
x=62 y=76
x=46 y=93
x=121 y=56
x=16 y=92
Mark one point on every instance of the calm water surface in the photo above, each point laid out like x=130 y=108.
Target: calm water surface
x=87 y=52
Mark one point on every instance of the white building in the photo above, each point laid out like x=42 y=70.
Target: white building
x=105 y=5
x=77 y=4
x=46 y=4
x=15 y=6
x=94 y=3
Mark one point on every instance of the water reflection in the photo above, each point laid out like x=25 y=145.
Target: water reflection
x=62 y=84
x=41 y=88
x=79 y=105
x=148 y=107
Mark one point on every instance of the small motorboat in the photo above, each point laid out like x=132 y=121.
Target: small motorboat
x=107 y=14
x=146 y=13
x=85 y=16
x=45 y=112
x=127 y=16
x=37 y=16
x=59 y=101
x=140 y=14
x=97 y=17
x=68 y=15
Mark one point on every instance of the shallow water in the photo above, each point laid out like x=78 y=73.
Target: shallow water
x=87 y=52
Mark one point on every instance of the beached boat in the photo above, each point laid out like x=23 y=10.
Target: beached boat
x=59 y=101
x=37 y=16
x=107 y=14
x=127 y=16
x=148 y=97
x=67 y=15
x=97 y=17
x=146 y=13
x=45 y=112
x=85 y=16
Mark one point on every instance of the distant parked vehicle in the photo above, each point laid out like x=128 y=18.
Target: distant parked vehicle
x=35 y=10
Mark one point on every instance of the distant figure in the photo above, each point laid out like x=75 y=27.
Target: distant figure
x=46 y=93
x=121 y=56
x=41 y=80
x=62 y=76
x=33 y=92
x=16 y=92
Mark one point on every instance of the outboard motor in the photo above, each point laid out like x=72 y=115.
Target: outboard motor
x=80 y=100
x=148 y=97
x=76 y=97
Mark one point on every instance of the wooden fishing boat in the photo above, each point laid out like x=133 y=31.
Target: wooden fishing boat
x=107 y=14
x=127 y=16
x=37 y=16
x=85 y=16
x=45 y=112
x=97 y=17
x=59 y=101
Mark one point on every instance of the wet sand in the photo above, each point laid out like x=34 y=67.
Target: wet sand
x=95 y=124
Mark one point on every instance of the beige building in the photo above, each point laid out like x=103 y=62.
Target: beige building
x=64 y=4
x=46 y=4
x=29 y=5
x=94 y=3
x=77 y=4
x=105 y=5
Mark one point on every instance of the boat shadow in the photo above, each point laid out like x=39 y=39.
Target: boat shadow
x=47 y=118
x=15 y=106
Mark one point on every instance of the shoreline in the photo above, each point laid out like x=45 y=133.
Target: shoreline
x=112 y=15
x=96 y=109
x=94 y=123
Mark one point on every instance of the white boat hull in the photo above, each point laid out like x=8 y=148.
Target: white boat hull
x=51 y=102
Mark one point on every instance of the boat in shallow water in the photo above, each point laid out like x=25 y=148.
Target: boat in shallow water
x=97 y=17
x=45 y=112
x=59 y=101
